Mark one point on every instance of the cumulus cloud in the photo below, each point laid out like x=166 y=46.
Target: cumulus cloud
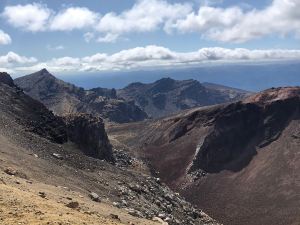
x=12 y=59
x=209 y=18
x=147 y=57
x=232 y=24
x=74 y=18
x=144 y=16
x=4 y=38
x=237 y=25
x=31 y=17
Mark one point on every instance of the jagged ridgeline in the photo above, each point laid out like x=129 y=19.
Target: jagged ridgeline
x=64 y=98
x=135 y=102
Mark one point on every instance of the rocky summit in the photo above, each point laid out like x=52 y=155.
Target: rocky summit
x=64 y=98
x=168 y=96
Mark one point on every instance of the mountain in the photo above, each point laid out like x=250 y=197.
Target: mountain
x=62 y=98
x=238 y=161
x=47 y=174
x=167 y=96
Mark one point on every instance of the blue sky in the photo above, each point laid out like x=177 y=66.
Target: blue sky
x=101 y=35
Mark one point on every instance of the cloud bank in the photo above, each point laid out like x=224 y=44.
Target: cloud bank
x=234 y=24
x=151 y=56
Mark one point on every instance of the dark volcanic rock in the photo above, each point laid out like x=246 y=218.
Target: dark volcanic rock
x=89 y=134
x=262 y=119
x=30 y=113
x=6 y=79
x=63 y=98
x=167 y=96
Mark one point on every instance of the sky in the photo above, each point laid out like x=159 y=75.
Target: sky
x=98 y=35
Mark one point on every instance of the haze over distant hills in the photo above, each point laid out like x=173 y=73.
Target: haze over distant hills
x=251 y=77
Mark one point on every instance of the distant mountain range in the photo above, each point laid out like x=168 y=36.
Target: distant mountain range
x=135 y=102
x=168 y=96
x=252 y=77
x=64 y=98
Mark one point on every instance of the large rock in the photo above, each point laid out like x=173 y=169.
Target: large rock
x=89 y=134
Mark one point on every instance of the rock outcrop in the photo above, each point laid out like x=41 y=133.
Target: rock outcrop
x=5 y=78
x=63 y=98
x=89 y=134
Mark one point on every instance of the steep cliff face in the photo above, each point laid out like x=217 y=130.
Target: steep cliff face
x=89 y=134
x=239 y=129
x=167 y=96
x=63 y=98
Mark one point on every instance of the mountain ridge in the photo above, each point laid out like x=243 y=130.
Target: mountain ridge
x=64 y=98
x=167 y=96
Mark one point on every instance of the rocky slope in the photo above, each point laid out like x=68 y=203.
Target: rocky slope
x=238 y=161
x=167 y=96
x=47 y=180
x=62 y=98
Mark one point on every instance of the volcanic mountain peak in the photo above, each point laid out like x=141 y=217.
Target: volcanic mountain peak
x=274 y=94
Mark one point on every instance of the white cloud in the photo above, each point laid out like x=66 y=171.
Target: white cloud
x=144 y=16
x=74 y=18
x=237 y=25
x=147 y=57
x=209 y=18
x=4 y=38
x=31 y=17
x=12 y=59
